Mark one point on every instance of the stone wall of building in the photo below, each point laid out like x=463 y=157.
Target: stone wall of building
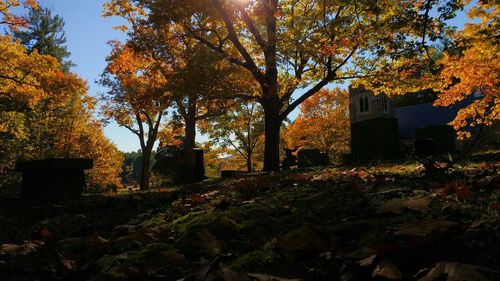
x=363 y=105
x=376 y=138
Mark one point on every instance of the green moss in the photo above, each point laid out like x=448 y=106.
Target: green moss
x=255 y=259
x=155 y=221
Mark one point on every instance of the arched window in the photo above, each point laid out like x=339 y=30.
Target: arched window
x=363 y=104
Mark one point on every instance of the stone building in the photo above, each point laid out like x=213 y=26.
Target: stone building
x=379 y=130
x=374 y=129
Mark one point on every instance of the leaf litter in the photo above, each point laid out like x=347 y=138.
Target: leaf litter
x=283 y=226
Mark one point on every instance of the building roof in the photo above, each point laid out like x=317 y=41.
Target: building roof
x=411 y=118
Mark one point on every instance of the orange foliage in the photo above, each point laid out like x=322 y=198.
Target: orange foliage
x=475 y=70
x=11 y=20
x=46 y=112
x=323 y=123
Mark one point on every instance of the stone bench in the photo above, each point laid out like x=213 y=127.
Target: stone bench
x=54 y=178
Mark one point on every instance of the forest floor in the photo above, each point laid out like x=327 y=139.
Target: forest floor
x=386 y=222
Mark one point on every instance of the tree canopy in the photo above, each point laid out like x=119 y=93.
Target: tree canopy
x=298 y=44
x=45 y=33
x=45 y=111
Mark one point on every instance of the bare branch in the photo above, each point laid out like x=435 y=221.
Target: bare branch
x=251 y=27
x=233 y=37
x=219 y=50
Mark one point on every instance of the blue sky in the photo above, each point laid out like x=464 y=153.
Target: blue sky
x=87 y=34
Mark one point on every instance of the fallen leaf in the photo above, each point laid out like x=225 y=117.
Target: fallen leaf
x=231 y=275
x=21 y=249
x=143 y=236
x=364 y=175
x=300 y=177
x=197 y=199
x=454 y=271
x=476 y=224
x=463 y=193
x=68 y=264
x=423 y=228
x=210 y=195
x=97 y=243
x=306 y=239
x=388 y=270
x=397 y=206
x=459 y=188
x=251 y=201
x=209 y=242
x=267 y=277
x=206 y=271
x=318 y=178
x=47 y=234
x=367 y=261
x=173 y=257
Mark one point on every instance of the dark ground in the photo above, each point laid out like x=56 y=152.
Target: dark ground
x=378 y=223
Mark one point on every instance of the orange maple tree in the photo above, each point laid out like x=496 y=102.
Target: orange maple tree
x=474 y=69
x=46 y=112
x=323 y=123
x=466 y=66
x=137 y=98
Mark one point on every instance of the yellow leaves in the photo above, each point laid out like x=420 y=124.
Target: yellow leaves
x=122 y=28
x=125 y=9
x=474 y=72
x=56 y=117
x=22 y=74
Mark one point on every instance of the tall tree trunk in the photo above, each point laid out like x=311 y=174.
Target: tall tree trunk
x=145 y=170
x=190 y=133
x=272 y=124
x=249 y=162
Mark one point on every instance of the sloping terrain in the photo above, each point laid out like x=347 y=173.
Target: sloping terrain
x=378 y=223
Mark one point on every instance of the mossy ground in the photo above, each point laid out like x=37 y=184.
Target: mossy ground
x=306 y=225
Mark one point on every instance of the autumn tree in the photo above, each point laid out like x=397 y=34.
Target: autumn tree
x=10 y=20
x=45 y=33
x=215 y=158
x=203 y=87
x=90 y=142
x=45 y=111
x=467 y=67
x=20 y=79
x=241 y=129
x=293 y=48
x=202 y=84
x=473 y=69
x=137 y=98
x=323 y=123
x=63 y=126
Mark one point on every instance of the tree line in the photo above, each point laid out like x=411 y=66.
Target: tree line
x=236 y=69
x=45 y=109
